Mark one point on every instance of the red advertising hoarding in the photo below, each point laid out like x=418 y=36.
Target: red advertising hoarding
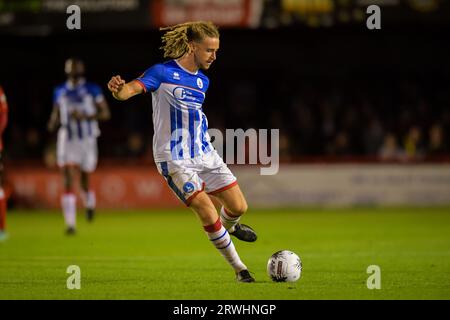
x=115 y=187
x=227 y=13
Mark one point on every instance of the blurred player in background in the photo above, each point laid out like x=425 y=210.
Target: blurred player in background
x=181 y=145
x=3 y=123
x=77 y=107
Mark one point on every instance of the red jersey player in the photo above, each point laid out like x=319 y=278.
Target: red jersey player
x=3 y=123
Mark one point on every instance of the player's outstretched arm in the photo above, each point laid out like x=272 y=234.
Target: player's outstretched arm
x=123 y=91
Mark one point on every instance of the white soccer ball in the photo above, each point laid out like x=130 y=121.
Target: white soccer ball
x=284 y=266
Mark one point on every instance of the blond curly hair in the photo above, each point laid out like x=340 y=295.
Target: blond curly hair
x=176 y=38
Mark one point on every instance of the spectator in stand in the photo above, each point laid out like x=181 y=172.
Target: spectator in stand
x=436 y=143
x=340 y=145
x=373 y=137
x=413 y=143
x=390 y=150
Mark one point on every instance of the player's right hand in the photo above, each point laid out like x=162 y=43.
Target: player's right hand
x=116 y=84
x=51 y=126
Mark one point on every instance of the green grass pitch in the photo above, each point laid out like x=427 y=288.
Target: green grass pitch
x=158 y=254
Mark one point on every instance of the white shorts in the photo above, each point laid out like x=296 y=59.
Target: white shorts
x=188 y=177
x=82 y=153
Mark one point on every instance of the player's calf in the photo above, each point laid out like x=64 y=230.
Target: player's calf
x=69 y=207
x=89 y=200
x=221 y=239
x=241 y=231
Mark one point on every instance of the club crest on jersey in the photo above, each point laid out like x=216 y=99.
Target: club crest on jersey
x=188 y=187
x=176 y=76
x=199 y=83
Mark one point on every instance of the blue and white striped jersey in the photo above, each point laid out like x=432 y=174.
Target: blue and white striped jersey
x=179 y=122
x=81 y=97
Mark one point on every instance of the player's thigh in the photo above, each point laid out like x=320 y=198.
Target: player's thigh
x=216 y=202
x=233 y=199
x=216 y=174
x=70 y=153
x=184 y=182
x=222 y=184
x=204 y=208
x=89 y=159
x=62 y=147
x=68 y=172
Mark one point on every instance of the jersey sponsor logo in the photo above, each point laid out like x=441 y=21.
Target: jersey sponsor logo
x=199 y=83
x=176 y=76
x=186 y=95
x=188 y=187
x=179 y=93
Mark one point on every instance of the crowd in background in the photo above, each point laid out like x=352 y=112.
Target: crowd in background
x=403 y=121
x=331 y=93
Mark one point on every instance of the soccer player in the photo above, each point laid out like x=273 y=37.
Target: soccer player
x=3 y=123
x=181 y=145
x=77 y=107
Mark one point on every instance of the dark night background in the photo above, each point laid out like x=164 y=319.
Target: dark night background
x=340 y=91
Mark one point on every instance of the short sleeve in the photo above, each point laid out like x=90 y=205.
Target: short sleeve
x=151 y=79
x=207 y=84
x=56 y=94
x=205 y=80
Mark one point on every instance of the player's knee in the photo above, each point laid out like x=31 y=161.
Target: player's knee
x=243 y=208
x=239 y=208
x=67 y=178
